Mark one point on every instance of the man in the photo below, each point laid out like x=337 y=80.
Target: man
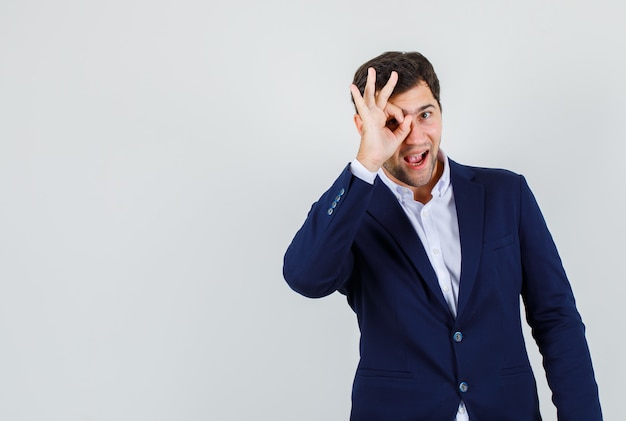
x=433 y=257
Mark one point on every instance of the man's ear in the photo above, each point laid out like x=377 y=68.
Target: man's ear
x=358 y=123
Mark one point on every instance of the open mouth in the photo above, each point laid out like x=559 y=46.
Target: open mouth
x=416 y=160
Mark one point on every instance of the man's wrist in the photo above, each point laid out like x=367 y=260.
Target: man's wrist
x=360 y=171
x=367 y=163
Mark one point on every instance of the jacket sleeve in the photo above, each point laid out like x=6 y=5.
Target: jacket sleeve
x=555 y=322
x=319 y=259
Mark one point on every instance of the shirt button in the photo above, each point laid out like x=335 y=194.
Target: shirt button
x=461 y=410
x=446 y=289
x=436 y=252
x=457 y=336
x=330 y=211
x=426 y=214
x=463 y=387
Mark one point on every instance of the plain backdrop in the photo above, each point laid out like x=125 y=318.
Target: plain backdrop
x=156 y=158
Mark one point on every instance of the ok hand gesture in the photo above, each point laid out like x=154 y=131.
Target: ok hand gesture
x=382 y=125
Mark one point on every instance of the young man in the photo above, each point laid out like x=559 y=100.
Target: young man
x=433 y=257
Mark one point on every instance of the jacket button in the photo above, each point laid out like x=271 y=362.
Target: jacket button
x=463 y=387
x=457 y=336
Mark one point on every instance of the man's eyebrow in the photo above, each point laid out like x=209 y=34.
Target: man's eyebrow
x=419 y=110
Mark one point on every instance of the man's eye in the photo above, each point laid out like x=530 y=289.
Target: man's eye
x=426 y=114
x=392 y=124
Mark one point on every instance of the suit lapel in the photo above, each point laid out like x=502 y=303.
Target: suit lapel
x=385 y=208
x=469 y=198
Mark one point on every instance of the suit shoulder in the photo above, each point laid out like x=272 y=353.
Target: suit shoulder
x=495 y=176
x=497 y=173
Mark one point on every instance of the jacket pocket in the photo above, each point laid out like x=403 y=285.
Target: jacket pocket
x=498 y=243
x=371 y=372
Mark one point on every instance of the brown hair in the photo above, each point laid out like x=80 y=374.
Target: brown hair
x=412 y=68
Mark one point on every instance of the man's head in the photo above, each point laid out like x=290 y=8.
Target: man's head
x=412 y=68
x=415 y=163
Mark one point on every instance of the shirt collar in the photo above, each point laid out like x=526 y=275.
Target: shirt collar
x=438 y=190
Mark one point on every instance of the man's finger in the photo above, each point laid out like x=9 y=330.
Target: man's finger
x=387 y=90
x=394 y=111
x=370 y=87
x=359 y=102
x=403 y=130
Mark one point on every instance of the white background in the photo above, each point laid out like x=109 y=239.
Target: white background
x=157 y=157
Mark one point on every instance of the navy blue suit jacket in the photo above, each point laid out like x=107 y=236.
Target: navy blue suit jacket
x=418 y=361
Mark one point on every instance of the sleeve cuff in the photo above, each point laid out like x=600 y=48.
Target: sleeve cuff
x=358 y=170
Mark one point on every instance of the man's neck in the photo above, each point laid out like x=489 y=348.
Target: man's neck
x=424 y=194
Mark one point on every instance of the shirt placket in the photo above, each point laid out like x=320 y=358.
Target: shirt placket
x=436 y=254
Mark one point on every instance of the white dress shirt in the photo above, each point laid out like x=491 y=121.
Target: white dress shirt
x=436 y=224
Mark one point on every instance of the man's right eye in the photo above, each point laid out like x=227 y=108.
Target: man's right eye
x=392 y=124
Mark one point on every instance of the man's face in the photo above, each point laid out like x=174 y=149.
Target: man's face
x=414 y=164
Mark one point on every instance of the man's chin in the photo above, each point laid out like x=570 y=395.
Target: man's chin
x=419 y=178
x=410 y=178
x=414 y=181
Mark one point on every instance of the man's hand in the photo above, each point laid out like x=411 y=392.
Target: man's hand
x=382 y=125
